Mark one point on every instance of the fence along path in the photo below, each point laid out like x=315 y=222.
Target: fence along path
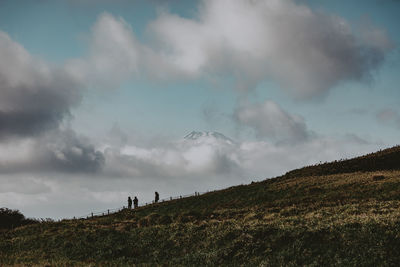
x=111 y=211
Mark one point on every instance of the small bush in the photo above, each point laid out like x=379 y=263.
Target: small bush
x=13 y=218
x=193 y=215
x=165 y=219
x=143 y=222
x=184 y=218
x=378 y=177
x=152 y=218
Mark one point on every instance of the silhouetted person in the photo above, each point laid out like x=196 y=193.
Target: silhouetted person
x=157 y=198
x=129 y=202
x=135 y=202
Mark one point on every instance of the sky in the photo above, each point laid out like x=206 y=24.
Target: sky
x=101 y=100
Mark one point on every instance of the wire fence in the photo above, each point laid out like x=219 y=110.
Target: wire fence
x=112 y=211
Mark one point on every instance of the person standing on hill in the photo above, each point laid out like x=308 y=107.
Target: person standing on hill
x=135 y=202
x=157 y=197
x=129 y=202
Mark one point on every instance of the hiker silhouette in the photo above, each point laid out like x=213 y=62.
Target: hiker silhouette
x=157 y=197
x=135 y=202
x=129 y=202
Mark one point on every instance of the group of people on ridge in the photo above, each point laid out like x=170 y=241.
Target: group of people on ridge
x=136 y=201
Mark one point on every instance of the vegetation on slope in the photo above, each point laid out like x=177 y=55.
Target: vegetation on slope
x=340 y=219
x=387 y=159
x=10 y=219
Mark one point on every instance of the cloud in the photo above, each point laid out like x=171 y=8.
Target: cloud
x=54 y=151
x=307 y=52
x=182 y=159
x=114 y=53
x=173 y=169
x=303 y=50
x=23 y=185
x=270 y=121
x=35 y=99
x=263 y=159
x=388 y=116
x=34 y=96
x=116 y=56
x=217 y=161
x=71 y=153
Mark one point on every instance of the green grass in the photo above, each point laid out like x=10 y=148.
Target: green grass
x=346 y=219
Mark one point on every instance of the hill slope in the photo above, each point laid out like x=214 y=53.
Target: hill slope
x=387 y=159
x=335 y=219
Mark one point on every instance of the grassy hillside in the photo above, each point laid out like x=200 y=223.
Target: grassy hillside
x=388 y=159
x=335 y=219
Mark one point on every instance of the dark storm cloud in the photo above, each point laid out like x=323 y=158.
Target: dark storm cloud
x=70 y=153
x=24 y=123
x=34 y=97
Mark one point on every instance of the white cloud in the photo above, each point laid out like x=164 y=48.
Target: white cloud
x=179 y=159
x=217 y=163
x=270 y=121
x=305 y=51
x=114 y=53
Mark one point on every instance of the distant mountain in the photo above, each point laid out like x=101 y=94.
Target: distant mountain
x=208 y=137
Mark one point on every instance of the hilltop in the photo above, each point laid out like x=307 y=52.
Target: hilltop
x=340 y=213
x=387 y=159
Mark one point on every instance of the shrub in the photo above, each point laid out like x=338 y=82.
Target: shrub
x=143 y=222
x=152 y=218
x=165 y=219
x=13 y=218
x=378 y=177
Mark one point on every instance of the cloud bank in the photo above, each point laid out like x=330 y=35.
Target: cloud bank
x=307 y=52
x=62 y=169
